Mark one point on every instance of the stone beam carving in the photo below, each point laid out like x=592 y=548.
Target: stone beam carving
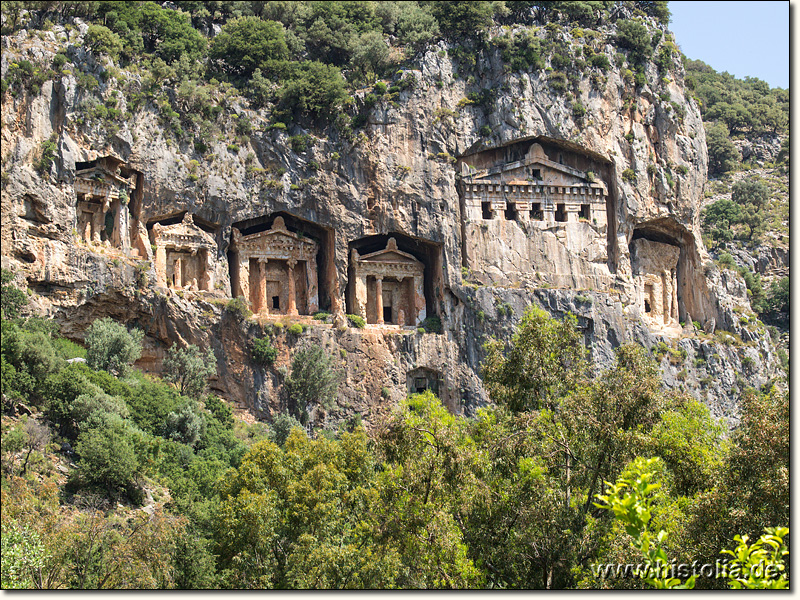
x=277 y=270
x=388 y=286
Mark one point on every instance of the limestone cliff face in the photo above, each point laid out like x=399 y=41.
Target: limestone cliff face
x=410 y=174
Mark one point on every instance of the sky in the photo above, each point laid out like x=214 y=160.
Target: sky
x=742 y=38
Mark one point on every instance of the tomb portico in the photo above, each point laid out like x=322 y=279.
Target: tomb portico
x=183 y=255
x=388 y=286
x=655 y=273
x=103 y=188
x=534 y=189
x=276 y=270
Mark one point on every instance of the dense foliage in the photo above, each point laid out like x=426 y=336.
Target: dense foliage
x=505 y=499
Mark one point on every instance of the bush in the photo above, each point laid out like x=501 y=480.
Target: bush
x=249 y=43
x=600 y=61
x=282 y=426
x=263 y=352
x=101 y=40
x=312 y=381
x=49 y=151
x=432 y=325
x=633 y=36
x=321 y=315
x=238 y=308
x=107 y=457
x=356 y=321
x=629 y=175
x=295 y=329
x=314 y=90
x=189 y=368
x=185 y=425
x=12 y=299
x=301 y=143
x=111 y=347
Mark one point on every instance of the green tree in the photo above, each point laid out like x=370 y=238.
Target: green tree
x=111 y=347
x=752 y=196
x=248 y=43
x=463 y=20
x=313 y=89
x=633 y=36
x=719 y=219
x=101 y=40
x=424 y=490
x=189 y=369
x=313 y=381
x=545 y=361
x=12 y=299
x=778 y=296
x=108 y=457
x=722 y=154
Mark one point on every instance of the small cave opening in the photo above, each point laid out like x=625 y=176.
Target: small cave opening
x=387 y=274
x=289 y=262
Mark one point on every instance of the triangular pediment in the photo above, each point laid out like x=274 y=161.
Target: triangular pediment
x=394 y=256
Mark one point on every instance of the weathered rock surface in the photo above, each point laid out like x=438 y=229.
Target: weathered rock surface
x=400 y=177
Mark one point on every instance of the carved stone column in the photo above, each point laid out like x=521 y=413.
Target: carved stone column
x=263 y=304
x=379 y=299
x=97 y=225
x=176 y=270
x=244 y=276
x=311 y=285
x=419 y=305
x=292 y=300
x=666 y=294
x=674 y=295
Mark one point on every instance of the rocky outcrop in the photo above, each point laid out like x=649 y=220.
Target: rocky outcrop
x=401 y=177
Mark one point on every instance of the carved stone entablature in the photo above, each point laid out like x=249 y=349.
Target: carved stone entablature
x=534 y=189
x=183 y=257
x=276 y=270
x=655 y=273
x=389 y=286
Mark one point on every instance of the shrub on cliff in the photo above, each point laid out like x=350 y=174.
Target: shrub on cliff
x=263 y=352
x=111 y=347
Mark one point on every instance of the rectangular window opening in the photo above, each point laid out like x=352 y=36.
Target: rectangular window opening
x=511 y=211
x=486 y=209
x=585 y=212
x=276 y=302
x=561 y=213
x=536 y=212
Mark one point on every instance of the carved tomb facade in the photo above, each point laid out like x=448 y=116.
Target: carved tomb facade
x=103 y=188
x=183 y=255
x=276 y=270
x=388 y=286
x=534 y=189
x=655 y=267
